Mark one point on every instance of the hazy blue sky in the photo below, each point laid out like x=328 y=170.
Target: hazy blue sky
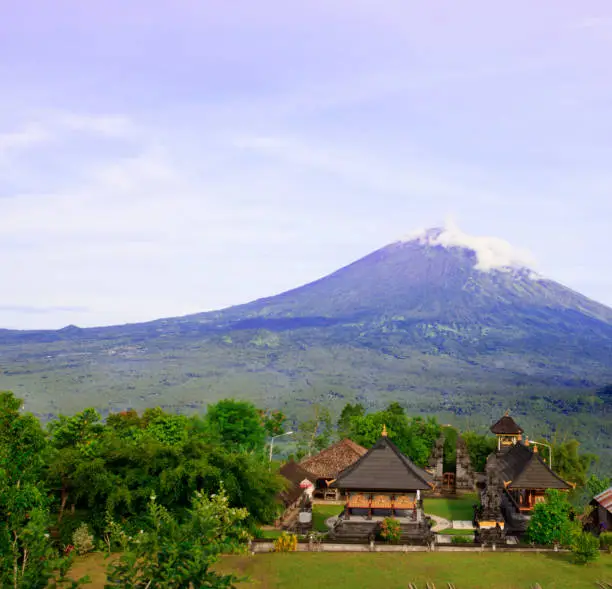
x=159 y=158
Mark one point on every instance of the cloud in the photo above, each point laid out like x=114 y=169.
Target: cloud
x=29 y=135
x=492 y=253
x=105 y=125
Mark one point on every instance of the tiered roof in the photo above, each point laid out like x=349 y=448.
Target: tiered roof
x=383 y=468
x=295 y=474
x=506 y=426
x=329 y=463
x=522 y=468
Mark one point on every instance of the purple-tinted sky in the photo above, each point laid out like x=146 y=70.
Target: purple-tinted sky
x=159 y=158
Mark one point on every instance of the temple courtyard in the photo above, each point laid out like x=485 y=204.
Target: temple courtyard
x=394 y=571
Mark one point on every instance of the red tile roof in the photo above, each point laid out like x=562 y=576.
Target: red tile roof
x=605 y=499
x=329 y=463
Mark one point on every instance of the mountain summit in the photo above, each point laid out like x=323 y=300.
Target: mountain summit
x=438 y=320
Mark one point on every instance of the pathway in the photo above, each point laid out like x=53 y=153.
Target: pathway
x=440 y=523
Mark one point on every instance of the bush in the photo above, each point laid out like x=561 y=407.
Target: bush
x=585 y=547
x=390 y=530
x=550 y=522
x=285 y=543
x=605 y=541
x=82 y=540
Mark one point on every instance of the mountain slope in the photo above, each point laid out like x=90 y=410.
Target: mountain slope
x=443 y=326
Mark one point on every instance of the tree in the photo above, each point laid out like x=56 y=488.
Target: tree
x=550 y=521
x=73 y=439
x=569 y=463
x=596 y=485
x=273 y=421
x=585 y=547
x=168 y=455
x=414 y=436
x=479 y=448
x=344 y=421
x=238 y=423
x=314 y=434
x=168 y=554
x=28 y=559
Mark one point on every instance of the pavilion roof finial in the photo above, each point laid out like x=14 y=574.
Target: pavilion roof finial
x=384 y=431
x=507 y=412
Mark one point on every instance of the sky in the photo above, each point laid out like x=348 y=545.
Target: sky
x=159 y=157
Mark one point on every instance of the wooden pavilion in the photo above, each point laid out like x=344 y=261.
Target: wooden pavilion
x=526 y=477
x=327 y=465
x=383 y=483
x=507 y=431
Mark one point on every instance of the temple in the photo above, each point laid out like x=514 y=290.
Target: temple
x=517 y=479
x=382 y=483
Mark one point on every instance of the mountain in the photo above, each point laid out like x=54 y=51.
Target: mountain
x=443 y=322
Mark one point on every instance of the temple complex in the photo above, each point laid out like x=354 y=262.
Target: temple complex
x=517 y=479
x=382 y=483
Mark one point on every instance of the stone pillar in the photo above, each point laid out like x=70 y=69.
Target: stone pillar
x=436 y=462
x=465 y=478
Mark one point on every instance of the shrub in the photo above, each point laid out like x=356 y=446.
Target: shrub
x=285 y=543
x=550 y=522
x=390 y=530
x=82 y=540
x=585 y=547
x=605 y=541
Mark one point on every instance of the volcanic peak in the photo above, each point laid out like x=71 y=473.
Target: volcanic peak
x=492 y=253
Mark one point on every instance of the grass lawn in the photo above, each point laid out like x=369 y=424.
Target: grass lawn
x=395 y=571
x=320 y=512
x=460 y=508
x=454 y=532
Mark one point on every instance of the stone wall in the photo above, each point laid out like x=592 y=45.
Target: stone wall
x=436 y=462
x=465 y=479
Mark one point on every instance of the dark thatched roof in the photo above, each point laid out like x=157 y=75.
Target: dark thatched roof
x=506 y=425
x=329 y=463
x=294 y=474
x=383 y=468
x=525 y=469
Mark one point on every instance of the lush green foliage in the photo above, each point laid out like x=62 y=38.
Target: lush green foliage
x=28 y=560
x=479 y=448
x=605 y=540
x=414 y=436
x=585 y=547
x=569 y=462
x=238 y=423
x=344 y=421
x=168 y=554
x=115 y=467
x=550 y=521
x=596 y=485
